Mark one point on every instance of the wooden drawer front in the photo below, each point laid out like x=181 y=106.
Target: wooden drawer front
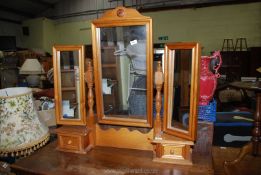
x=69 y=142
x=173 y=151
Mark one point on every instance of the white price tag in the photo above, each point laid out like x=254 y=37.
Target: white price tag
x=133 y=42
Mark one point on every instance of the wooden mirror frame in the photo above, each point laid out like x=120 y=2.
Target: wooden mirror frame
x=57 y=85
x=189 y=134
x=120 y=17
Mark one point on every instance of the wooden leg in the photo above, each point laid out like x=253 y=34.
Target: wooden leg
x=243 y=152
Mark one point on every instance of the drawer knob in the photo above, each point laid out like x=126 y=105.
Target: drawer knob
x=172 y=151
x=69 y=142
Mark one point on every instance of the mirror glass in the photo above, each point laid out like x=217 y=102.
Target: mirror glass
x=180 y=84
x=70 y=84
x=123 y=71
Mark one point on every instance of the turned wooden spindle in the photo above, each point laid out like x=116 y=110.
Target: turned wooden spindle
x=91 y=121
x=158 y=82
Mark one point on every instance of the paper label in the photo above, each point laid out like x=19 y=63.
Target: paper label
x=105 y=88
x=133 y=42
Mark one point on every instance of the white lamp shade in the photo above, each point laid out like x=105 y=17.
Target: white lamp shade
x=31 y=66
x=21 y=130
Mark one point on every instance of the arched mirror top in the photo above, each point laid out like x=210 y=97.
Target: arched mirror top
x=121 y=16
x=123 y=63
x=181 y=89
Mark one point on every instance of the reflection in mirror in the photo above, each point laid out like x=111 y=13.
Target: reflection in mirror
x=70 y=84
x=123 y=59
x=181 y=89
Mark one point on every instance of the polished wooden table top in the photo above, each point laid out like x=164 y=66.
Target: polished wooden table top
x=105 y=160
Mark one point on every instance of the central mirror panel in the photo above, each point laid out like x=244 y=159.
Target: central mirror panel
x=123 y=68
x=123 y=59
x=181 y=89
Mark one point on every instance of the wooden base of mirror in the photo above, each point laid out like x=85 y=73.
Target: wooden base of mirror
x=172 y=150
x=73 y=139
x=120 y=137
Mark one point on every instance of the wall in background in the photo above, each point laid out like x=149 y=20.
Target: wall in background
x=35 y=37
x=209 y=26
x=42 y=34
x=73 y=33
x=49 y=34
x=12 y=29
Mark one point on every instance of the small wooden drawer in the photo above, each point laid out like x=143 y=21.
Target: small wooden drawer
x=173 y=151
x=73 y=139
x=69 y=142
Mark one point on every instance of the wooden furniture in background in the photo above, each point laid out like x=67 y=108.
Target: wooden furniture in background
x=241 y=44
x=228 y=45
x=47 y=62
x=235 y=64
x=253 y=146
x=203 y=145
x=255 y=61
x=8 y=70
x=110 y=71
x=24 y=54
x=70 y=106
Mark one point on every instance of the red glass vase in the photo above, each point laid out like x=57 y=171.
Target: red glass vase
x=208 y=79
